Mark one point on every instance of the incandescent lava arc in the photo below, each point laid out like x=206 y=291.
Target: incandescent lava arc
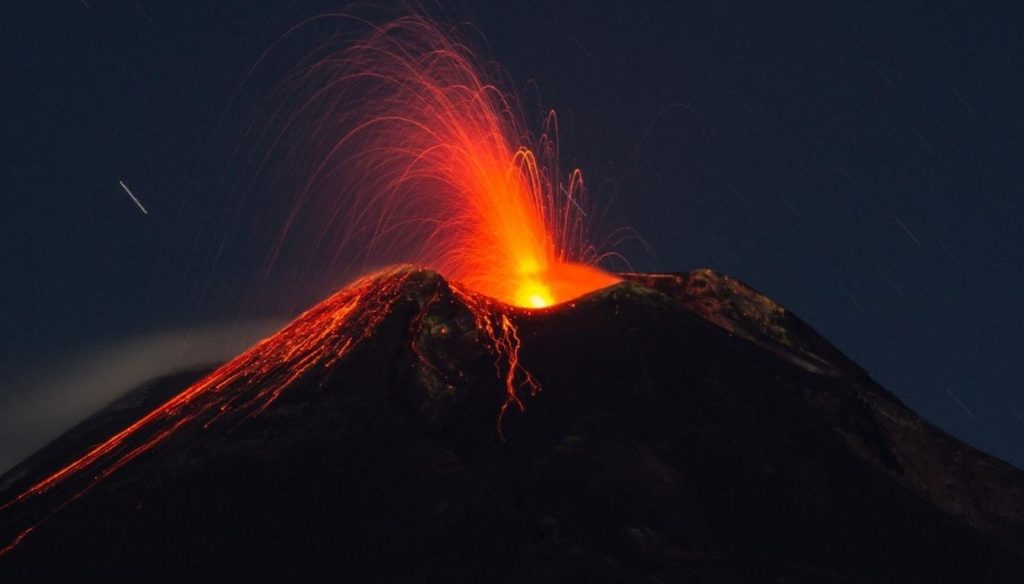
x=414 y=155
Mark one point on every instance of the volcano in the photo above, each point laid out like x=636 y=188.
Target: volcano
x=668 y=428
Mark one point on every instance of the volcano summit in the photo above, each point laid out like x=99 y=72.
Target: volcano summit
x=669 y=428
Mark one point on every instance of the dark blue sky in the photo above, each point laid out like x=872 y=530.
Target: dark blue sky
x=860 y=165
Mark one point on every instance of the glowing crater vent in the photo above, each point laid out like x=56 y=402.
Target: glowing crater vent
x=558 y=283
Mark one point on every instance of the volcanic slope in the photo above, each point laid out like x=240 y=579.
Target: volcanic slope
x=677 y=428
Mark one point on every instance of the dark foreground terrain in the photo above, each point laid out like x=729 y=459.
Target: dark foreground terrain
x=687 y=430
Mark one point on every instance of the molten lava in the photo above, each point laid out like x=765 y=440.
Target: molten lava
x=418 y=158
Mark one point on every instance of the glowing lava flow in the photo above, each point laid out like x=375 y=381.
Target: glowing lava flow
x=252 y=381
x=305 y=349
x=504 y=337
x=416 y=158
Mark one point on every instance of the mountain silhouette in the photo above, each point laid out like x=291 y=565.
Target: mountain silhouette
x=670 y=428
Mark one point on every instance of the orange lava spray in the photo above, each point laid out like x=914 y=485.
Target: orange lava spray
x=421 y=159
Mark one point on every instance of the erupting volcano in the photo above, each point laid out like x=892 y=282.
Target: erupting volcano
x=435 y=162
x=689 y=428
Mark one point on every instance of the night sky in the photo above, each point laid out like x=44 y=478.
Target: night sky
x=859 y=165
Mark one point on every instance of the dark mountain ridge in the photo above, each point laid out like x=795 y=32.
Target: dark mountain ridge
x=686 y=428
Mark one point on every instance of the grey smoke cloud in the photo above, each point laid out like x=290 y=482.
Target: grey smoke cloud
x=40 y=406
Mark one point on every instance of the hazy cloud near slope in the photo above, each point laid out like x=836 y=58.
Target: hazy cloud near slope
x=37 y=408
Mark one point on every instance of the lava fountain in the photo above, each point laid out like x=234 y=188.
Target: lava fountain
x=424 y=160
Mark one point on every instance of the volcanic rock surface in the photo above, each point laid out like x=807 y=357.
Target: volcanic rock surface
x=687 y=429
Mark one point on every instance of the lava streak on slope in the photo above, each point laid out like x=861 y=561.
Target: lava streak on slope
x=308 y=348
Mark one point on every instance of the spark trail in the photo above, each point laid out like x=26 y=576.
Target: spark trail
x=421 y=158
x=132 y=195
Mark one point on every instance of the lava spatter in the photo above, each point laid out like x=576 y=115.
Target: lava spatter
x=415 y=153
